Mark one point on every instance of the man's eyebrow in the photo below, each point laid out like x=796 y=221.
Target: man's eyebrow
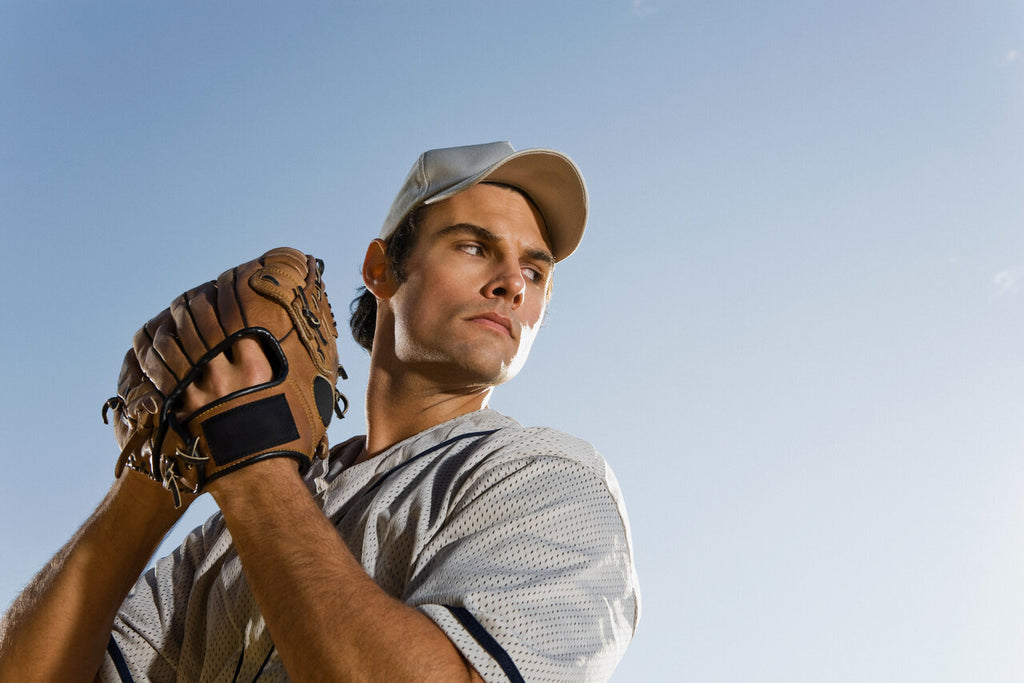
x=477 y=231
x=542 y=255
x=485 y=235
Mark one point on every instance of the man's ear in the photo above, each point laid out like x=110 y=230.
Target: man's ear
x=377 y=275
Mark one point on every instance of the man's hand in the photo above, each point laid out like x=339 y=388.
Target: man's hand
x=190 y=423
x=246 y=367
x=242 y=366
x=307 y=583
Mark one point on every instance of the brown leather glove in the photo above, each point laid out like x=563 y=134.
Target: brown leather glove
x=278 y=300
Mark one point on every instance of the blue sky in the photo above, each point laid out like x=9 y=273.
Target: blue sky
x=794 y=328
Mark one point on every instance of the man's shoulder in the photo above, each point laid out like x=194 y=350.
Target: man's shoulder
x=481 y=440
x=512 y=443
x=538 y=441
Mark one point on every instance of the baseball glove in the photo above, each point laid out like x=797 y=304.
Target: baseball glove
x=278 y=300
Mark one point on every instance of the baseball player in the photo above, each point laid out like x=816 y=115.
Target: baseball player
x=447 y=543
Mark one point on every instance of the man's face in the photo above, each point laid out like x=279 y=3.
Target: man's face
x=476 y=288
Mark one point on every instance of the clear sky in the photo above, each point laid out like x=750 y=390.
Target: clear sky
x=794 y=328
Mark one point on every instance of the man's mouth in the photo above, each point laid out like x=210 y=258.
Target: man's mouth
x=496 y=321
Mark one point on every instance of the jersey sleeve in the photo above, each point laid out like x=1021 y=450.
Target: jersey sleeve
x=145 y=642
x=532 y=576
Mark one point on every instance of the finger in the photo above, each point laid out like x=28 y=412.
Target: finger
x=245 y=367
x=250 y=362
x=210 y=385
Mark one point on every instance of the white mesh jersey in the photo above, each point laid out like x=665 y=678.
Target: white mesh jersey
x=513 y=540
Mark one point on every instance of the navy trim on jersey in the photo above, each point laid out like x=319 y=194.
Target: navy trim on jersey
x=238 y=666
x=264 y=664
x=118 y=658
x=487 y=642
x=259 y=672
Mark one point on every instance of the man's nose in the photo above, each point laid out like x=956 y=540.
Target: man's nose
x=508 y=283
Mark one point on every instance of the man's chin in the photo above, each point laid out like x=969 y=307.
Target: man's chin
x=508 y=370
x=487 y=375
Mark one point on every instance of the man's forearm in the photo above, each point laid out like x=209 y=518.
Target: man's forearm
x=328 y=618
x=58 y=628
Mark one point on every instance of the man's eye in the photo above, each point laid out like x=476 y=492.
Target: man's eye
x=472 y=249
x=533 y=275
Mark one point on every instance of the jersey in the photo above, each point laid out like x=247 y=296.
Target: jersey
x=513 y=540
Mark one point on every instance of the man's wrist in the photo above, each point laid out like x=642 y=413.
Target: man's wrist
x=148 y=499
x=255 y=480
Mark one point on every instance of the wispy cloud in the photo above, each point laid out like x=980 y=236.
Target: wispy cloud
x=1009 y=281
x=641 y=8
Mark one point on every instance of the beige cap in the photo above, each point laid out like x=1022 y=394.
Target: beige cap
x=549 y=178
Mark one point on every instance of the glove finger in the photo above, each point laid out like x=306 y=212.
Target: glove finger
x=229 y=308
x=280 y=284
x=151 y=343
x=131 y=374
x=318 y=297
x=293 y=280
x=288 y=260
x=195 y=317
x=141 y=397
x=135 y=388
x=325 y=330
x=167 y=344
x=129 y=377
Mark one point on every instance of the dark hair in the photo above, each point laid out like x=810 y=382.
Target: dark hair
x=363 y=309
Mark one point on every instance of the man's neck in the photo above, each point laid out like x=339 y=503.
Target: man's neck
x=400 y=405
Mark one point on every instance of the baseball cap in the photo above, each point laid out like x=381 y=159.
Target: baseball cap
x=549 y=178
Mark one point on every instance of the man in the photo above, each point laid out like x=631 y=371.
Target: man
x=449 y=543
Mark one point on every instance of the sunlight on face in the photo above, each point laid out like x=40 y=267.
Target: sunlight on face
x=476 y=289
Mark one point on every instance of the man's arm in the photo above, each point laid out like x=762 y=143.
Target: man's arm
x=58 y=628
x=329 y=620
